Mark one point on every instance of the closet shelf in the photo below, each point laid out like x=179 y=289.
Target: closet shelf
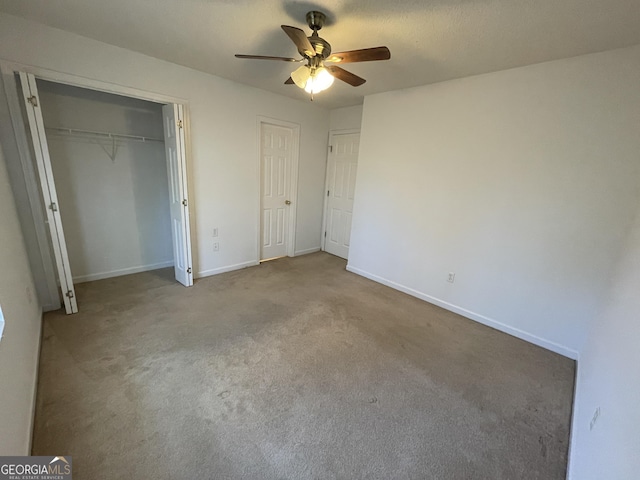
x=89 y=134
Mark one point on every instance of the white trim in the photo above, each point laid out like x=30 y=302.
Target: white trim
x=8 y=69
x=36 y=380
x=345 y=131
x=325 y=197
x=293 y=188
x=307 y=251
x=50 y=307
x=574 y=417
x=325 y=203
x=48 y=189
x=516 y=332
x=189 y=182
x=228 y=268
x=88 y=83
x=35 y=209
x=122 y=271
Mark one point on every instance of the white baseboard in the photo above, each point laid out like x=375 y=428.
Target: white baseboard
x=516 y=332
x=574 y=420
x=36 y=380
x=228 y=268
x=297 y=253
x=123 y=271
x=49 y=307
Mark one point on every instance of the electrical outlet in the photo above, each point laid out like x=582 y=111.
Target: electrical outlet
x=216 y=246
x=215 y=232
x=452 y=277
x=594 y=419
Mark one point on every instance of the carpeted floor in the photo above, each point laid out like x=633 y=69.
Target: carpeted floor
x=295 y=369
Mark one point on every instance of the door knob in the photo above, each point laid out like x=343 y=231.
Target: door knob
x=287 y=202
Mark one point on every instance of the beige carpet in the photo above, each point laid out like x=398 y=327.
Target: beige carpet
x=295 y=369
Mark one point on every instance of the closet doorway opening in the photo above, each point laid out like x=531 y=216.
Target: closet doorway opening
x=111 y=178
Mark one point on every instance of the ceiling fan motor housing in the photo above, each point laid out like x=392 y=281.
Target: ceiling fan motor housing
x=320 y=45
x=316 y=20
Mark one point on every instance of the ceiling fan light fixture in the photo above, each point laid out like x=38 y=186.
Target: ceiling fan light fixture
x=301 y=75
x=319 y=81
x=313 y=77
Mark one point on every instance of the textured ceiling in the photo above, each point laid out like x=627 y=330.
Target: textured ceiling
x=430 y=41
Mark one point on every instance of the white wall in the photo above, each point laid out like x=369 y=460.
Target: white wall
x=115 y=213
x=346 y=118
x=608 y=378
x=19 y=347
x=224 y=171
x=522 y=182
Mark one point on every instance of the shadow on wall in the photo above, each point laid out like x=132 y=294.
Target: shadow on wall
x=151 y=201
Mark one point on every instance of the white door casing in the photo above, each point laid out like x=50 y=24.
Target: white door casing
x=48 y=188
x=174 y=144
x=277 y=151
x=37 y=212
x=342 y=168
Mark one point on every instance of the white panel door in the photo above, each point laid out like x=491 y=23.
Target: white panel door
x=276 y=148
x=341 y=181
x=174 y=145
x=47 y=184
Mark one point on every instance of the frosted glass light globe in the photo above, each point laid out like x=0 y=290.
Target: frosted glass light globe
x=301 y=75
x=320 y=81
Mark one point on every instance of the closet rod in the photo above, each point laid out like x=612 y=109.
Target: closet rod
x=101 y=135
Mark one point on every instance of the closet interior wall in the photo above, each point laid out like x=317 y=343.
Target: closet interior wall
x=108 y=160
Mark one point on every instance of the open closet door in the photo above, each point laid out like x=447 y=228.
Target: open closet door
x=177 y=172
x=41 y=150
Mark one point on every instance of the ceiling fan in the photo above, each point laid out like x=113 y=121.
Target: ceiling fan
x=318 y=72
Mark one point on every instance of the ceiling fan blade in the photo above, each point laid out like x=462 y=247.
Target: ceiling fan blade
x=300 y=39
x=263 y=57
x=362 y=55
x=348 y=77
x=289 y=81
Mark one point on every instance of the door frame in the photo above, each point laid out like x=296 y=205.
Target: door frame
x=332 y=133
x=48 y=190
x=8 y=69
x=293 y=187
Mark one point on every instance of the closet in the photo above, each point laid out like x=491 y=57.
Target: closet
x=111 y=176
x=108 y=161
